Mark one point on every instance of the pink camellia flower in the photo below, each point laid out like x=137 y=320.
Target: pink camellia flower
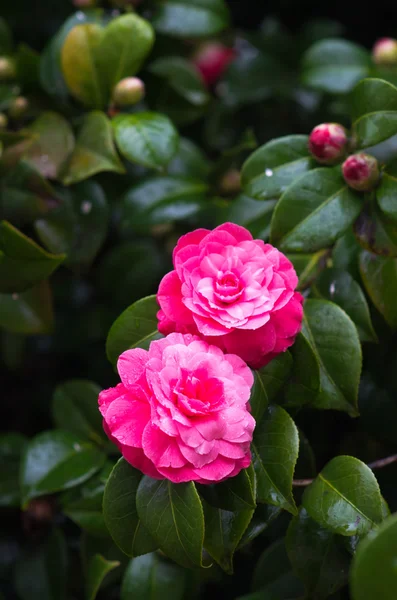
x=211 y=59
x=328 y=143
x=181 y=412
x=235 y=292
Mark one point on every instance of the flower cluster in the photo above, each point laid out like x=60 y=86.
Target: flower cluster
x=182 y=410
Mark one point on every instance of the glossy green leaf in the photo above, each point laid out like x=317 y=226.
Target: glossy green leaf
x=375 y=232
x=334 y=340
x=98 y=568
x=259 y=400
x=94 y=151
x=182 y=76
x=161 y=200
x=150 y=577
x=12 y=446
x=345 y=254
x=304 y=384
x=273 y=167
x=254 y=215
x=263 y=517
x=308 y=266
x=191 y=18
x=275 y=374
x=75 y=409
x=173 y=515
x=189 y=161
x=379 y=275
x=334 y=66
x=223 y=532
x=387 y=191
x=345 y=497
x=339 y=287
x=120 y=512
x=41 y=572
x=274 y=453
x=78 y=226
x=317 y=556
x=314 y=211
x=273 y=574
x=374 y=112
x=22 y=262
x=136 y=327
x=234 y=494
x=57 y=460
x=29 y=312
x=373 y=572
x=378 y=410
x=148 y=139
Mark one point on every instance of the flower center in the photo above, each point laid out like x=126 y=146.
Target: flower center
x=228 y=287
x=195 y=396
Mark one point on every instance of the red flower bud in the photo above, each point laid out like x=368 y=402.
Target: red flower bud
x=128 y=91
x=384 y=52
x=328 y=143
x=361 y=172
x=211 y=59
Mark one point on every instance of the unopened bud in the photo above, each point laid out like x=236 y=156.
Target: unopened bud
x=3 y=121
x=231 y=182
x=211 y=59
x=128 y=91
x=361 y=172
x=18 y=107
x=7 y=68
x=328 y=143
x=384 y=52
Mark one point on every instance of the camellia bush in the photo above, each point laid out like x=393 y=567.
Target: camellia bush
x=198 y=308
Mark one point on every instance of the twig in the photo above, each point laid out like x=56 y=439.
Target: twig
x=377 y=464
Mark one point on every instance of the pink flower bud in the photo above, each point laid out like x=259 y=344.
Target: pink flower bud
x=328 y=143
x=211 y=59
x=128 y=91
x=384 y=52
x=361 y=172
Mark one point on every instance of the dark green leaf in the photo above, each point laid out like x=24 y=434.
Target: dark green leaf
x=75 y=409
x=94 y=151
x=29 y=312
x=378 y=410
x=345 y=497
x=275 y=374
x=191 y=18
x=57 y=460
x=182 y=76
x=12 y=446
x=120 y=513
x=273 y=167
x=135 y=327
x=6 y=42
x=173 y=515
x=263 y=516
x=373 y=572
x=189 y=161
x=150 y=577
x=275 y=452
x=387 y=191
x=314 y=211
x=259 y=400
x=22 y=262
x=379 y=275
x=27 y=63
x=234 y=494
x=304 y=384
x=273 y=574
x=374 y=112
x=317 y=556
x=78 y=226
x=334 y=66
x=148 y=139
x=339 y=287
x=335 y=342
x=98 y=568
x=254 y=215
x=7 y=95
x=375 y=231
x=308 y=266
x=345 y=254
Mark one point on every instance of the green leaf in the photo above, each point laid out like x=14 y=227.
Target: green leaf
x=379 y=275
x=259 y=400
x=97 y=570
x=120 y=512
x=75 y=409
x=182 y=77
x=6 y=42
x=136 y=327
x=317 y=556
x=334 y=66
x=57 y=460
x=304 y=384
x=41 y=572
x=223 y=532
x=387 y=191
x=308 y=266
x=373 y=573
x=339 y=287
x=274 y=454
x=161 y=200
x=273 y=575
x=378 y=410
x=22 y=262
x=262 y=518
x=375 y=232
x=78 y=226
x=273 y=167
x=94 y=151
x=234 y=494
x=345 y=254
x=12 y=446
x=275 y=374
x=191 y=18
x=173 y=515
x=254 y=215
x=150 y=577
x=334 y=340
x=314 y=211
x=345 y=497
x=27 y=63
x=29 y=312
x=147 y=138
x=374 y=112
x=189 y=161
